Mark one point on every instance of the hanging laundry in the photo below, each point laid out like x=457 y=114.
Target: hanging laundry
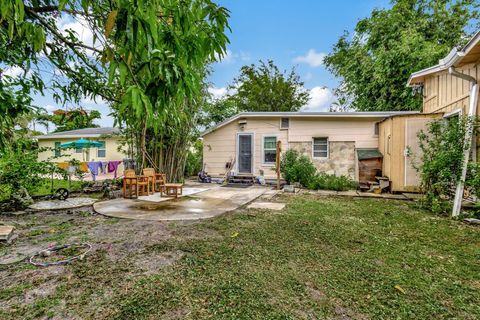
x=104 y=167
x=113 y=166
x=129 y=164
x=94 y=167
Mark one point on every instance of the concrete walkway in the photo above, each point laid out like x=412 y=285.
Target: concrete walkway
x=199 y=205
x=70 y=203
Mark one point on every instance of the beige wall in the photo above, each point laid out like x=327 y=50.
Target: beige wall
x=111 y=145
x=445 y=93
x=220 y=145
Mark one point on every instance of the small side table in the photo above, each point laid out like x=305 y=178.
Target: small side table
x=172 y=189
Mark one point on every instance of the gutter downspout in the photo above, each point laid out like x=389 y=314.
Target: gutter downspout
x=472 y=111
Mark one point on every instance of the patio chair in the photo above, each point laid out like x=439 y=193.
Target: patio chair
x=150 y=174
x=156 y=180
x=131 y=180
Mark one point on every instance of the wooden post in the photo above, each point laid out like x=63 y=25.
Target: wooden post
x=277 y=162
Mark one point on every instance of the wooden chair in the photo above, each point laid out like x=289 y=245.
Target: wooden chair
x=131 y=180
x=150 y=174
x=156 y=180
x=160 y=180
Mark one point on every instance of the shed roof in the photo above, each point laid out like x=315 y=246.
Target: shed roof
x=364 y=154
x=81 y=133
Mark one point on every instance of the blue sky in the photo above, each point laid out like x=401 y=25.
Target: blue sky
x=291 y=33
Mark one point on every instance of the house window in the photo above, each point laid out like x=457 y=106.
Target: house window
x=320 y=147
x=284 y=123
x=57 y=152
x=376 y=128
x=102 y=151
x=269 y=149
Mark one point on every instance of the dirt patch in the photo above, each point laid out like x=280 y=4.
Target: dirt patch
x=152 y=263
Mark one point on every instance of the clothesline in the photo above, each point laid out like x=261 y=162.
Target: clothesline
x=95 y=167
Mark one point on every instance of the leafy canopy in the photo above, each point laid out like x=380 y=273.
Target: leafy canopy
x=375 y=62
x=73 y=119
x=266 y=88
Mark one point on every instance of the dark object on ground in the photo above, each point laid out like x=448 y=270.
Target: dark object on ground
x=204 y=177
x=51 y=250
x=472 y=221
x=61 y=194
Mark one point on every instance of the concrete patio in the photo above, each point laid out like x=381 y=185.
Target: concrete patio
x=196 y=203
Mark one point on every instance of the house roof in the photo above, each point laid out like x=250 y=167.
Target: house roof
x=456 y=58
x=80 y=133
x=380 y=115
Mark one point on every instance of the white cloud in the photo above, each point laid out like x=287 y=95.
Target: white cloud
x=312 y=58
x=50 y=108
x=230 y=57
x=308 y=76
x=13 y=71
x=320 y=99
x=95 y=100
x=218 y=93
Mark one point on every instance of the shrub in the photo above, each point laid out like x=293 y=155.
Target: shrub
x=440 y=166
x=194 y=161
x=299 y=168
x=323 y=181
x=21 y=173
x=296 y=168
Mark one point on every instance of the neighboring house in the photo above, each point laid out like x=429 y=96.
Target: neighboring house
x=331 y=140
x=445 y=94
x=108 y=136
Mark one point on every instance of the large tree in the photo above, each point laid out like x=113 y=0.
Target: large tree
x=266 y=88
x=374 y=62
x=146 y=58
x=73 y=119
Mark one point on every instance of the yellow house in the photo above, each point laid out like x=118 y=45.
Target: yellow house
x=331 y=140
x=109 y=137
x=448 y=91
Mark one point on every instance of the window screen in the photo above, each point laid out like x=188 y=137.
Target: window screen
x=320 y=147
x=269 y=149
x=285 y=123
x=101 y=151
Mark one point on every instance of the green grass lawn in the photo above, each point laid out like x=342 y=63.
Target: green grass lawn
x=45 y=187
x=336 y=258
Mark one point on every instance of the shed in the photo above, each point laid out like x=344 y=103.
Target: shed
x=398 y=143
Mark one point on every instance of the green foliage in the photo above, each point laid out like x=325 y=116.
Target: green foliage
x=324 y=181
x=19 y=169
x=299 y=168
x=440 y=166
x=266 y=88
x=73 y=119
x=194 y=162
x=375 y=62
x=148 y=60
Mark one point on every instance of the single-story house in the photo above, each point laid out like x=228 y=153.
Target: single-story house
x=332 y=140
x=109 y=137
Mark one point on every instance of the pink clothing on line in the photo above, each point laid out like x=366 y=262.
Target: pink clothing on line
x=113 y=166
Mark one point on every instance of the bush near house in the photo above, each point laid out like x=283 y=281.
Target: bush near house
x=194 y=161
x=440 y=165
x=298 y=168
